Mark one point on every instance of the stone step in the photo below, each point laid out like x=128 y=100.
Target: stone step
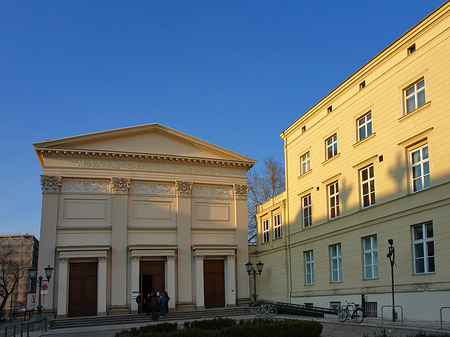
x=74 y=322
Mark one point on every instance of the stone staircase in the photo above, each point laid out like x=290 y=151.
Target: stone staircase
x=74 y=322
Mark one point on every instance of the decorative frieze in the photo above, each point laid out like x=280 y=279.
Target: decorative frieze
x=212 y=191
x=152 y=188
x=120 y=185
x=50 y=184
x=184 y=189
x=85 y=186
x=240 y=191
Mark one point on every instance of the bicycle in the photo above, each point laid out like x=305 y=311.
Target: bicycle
x=264 y=308
x=351 y=311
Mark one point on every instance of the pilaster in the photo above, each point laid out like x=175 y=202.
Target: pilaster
x=62 y=287
x=101 y=286
x=230 y=272
x=171 y=290
x=199 y=283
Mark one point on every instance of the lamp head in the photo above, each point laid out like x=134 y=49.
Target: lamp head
x=391 y=242
x=259 y=267
x=48 y=272
x=33 y=273
x=248 y=267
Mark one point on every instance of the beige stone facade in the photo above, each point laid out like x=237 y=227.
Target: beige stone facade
x=368 y=163
x=146 y=207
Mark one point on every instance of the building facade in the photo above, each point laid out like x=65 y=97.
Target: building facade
x=24 y=250
x=368 y=163
x=142 y=209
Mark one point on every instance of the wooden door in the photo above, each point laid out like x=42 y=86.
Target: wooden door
x=83 y=289
x=214 y=283
x=152 y=277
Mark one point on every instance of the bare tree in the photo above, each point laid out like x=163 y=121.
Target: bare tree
x=11 y=272
x=263 y=185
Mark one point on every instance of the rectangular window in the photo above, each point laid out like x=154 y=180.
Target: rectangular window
x=367 y=182
x=306 y=211
x=265 y=231
x=423 y=247
x=333 y=200
x=370 y=257
x=371 y=309
x=335 y=305
x=364 y=126
x=362 y=85
x=415 y=96
x=305 y=165
x=331 y=146
x=412 y=49
x=277 y=226
x=309 y=267
x=336 y=263
x=419 y=168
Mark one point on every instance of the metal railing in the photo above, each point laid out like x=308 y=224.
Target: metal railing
x=393 y=307
x=22 y=328
x=440 y=314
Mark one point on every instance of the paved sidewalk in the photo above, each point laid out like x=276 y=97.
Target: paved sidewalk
x=331 y=328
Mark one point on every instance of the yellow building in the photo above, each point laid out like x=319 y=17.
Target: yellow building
x=142 y=209
x=368 y=163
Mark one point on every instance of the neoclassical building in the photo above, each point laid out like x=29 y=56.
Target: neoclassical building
x=366 y=164
x=141 y=209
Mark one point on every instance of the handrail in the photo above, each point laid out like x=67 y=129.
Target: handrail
x=393 y=307
x=440 y=314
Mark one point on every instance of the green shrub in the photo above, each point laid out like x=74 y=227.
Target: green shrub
x=210 y=324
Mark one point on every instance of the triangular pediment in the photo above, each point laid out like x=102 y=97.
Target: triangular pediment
x=151 y=139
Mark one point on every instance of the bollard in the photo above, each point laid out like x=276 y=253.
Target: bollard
x=28 y=329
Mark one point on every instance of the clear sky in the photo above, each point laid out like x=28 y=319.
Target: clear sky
x=232 y=72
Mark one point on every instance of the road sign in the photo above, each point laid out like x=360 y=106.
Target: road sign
x=30 y=302
x=44 y=292
x=44 y=287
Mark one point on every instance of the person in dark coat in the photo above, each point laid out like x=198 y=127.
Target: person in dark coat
x=166 y=295
x=154 y=306
x=139 y=303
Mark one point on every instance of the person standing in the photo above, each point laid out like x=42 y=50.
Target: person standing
x=139 y=303
x=154 y=306
x=162 y=302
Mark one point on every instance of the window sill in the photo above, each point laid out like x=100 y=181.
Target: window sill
x=422 y=274
x=304 y=174
x=365 y=139
x=332 y=158
x=371 y=279
x=423 y=107
x=423 y=189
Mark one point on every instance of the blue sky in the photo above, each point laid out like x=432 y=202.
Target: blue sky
x=235 y=73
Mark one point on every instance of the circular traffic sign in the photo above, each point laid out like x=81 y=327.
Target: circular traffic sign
x=44 y=287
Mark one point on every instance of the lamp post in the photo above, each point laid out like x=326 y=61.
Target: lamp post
x=391 y=256
x=250 y=269
x=33 y=275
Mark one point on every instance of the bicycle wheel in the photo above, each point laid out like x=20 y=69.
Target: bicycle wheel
x=253 y=310
x=259 y=311
x=358 y=316
x=272 y=310
x=342 y=315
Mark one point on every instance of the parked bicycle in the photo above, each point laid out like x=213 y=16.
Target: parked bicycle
x=264 y=308
x=352 y=311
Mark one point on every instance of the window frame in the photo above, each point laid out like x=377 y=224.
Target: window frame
x=305 y=159
x=366 y=125
x=425 y=178
x=333 y=200
x=277 y=226
x=424 y=243
x=415 y=95
x=372 y=254
x=338 y=259
x=309 y=267
x=331 y=147
x=370 y=183
x=265 y=229
x=306 y=218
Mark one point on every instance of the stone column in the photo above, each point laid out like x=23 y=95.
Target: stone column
x=61 y=310
x=135 y=273
x=230 y=272
x=240 y=200
x=51 y=187
x=101 y=286
x=199 y=283
x=184 y=204
x=119 y=190
x=171 y=290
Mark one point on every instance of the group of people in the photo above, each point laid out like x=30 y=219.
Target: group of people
x=154 y=303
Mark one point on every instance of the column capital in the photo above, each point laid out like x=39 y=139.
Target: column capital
x=240 y=191
x=183 y=188
x=199 y=257
x=120 y=185
x=63 y=259
x=50 y=184
x=102 y=258
x=135 y=258
x=231 y=257
x=171 y=258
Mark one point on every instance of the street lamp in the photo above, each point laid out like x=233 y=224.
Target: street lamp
x=250 y=269
x=33 y=274
x=391 y=256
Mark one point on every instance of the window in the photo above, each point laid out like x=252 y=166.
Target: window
x=333 y=199
x=303 y=128
x=370 y=257
x=305 y=164
x=309 y=267
x=335 y=305
x=419 y=168
x=371 y=309
x=329 y=109
x=336 y=263
x=415 y=96
x=367 y=182
x=423 y=247
x=277 y=226
x=331 y=146
x=362 y=85
x=412 y=49
x=306 y=211
x=265 y=231
x=364 y=126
